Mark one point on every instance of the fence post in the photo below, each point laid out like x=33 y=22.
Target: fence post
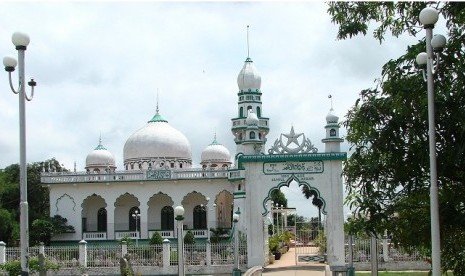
x=124 y=248
x=2 y=252
x=385 y=247
x=374 y=256
x=83 y=253
x=209 y=253
x=166 y=253
x=42 y=269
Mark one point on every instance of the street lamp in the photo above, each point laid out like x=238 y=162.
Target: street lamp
x=21 y=40
x=428 y=17
x=236 y=270
x=179 y=213
x=208 y=224
x=350 y=268
x=136 y=216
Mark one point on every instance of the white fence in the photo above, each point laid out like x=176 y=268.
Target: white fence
x=146 y=259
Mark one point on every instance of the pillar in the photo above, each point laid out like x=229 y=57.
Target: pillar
x=83 y=253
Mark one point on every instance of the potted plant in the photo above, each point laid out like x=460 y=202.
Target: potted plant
x=273 y=245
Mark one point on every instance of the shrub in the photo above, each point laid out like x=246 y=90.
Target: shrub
x=189 y=238
x=156 y=239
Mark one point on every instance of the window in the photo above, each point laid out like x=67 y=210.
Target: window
x=259 y=113
x=241 y=112
x=259 y=136
x=167 y=218
x=84 y=224
x=132 y=166
x=332 y=132
x=180 y=165
x=102 y=220
x=252 y=135
x=200 y=217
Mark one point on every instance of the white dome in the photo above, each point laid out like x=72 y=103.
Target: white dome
x=100 y=156
x=215 y=152
x=157 y=140
x=248 y=77
x=331 y=117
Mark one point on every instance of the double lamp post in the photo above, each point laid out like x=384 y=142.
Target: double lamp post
x=21 y=41
x=428 y=17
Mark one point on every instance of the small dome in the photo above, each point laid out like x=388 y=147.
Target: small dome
x=157 y=140
x=331 y=117
x=252 y=119
x=248 y=77
x=215 y=152
x=100 y=156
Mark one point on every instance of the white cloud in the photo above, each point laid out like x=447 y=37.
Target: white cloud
x=99 y=66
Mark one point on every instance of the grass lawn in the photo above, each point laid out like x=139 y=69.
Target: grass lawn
x=410 y=273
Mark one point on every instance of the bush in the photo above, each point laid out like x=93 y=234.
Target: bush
x=189 y=238
x=156 y=239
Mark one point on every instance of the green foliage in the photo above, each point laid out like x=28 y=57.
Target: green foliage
x=387 y=174
x=218 y=234
x=42 y=230
x=14 y=267
x=127 y=240
x=273 y=243
x=7 y=225
x=320 y=241
x=189 y=238
x=278 y=197
x=156 y=239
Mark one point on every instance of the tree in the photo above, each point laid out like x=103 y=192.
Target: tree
x=316 y=201
x=387 y=174
x=38 y=199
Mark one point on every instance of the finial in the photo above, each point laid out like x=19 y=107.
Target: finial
x=74 y=166
x=157 y=100
x=331 y=99
x=248 y=47
x=100 y=138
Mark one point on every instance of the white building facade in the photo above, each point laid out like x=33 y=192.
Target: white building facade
x=158 y=175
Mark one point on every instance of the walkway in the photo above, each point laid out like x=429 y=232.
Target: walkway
x=286 y=266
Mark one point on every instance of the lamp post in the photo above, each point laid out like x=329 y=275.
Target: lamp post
x=136 y=216
x=179 y=213
x=350 y=268
x=428 y=17
x=208 y=224
x=21 y=41
x=236 y=270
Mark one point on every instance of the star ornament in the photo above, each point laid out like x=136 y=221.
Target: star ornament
x=292 y=137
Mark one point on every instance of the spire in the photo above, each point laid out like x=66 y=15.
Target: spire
x=214 y=139
x=331 y=100
x=157 y=117
x=248 y=46
x=100 y=146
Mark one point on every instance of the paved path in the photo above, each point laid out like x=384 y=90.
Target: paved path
x=286 y=266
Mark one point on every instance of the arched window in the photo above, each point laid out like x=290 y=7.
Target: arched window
x=200 y=217
x=248 y=109
x=259 y=136
x=332 y=132
x=167 y=218
x=240 y=136
x=252 y=135
x=102 y=220
x=241 y=112
x=134 y=219
x=258 y=112
x=96 y=171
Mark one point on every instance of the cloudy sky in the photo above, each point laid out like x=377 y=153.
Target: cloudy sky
x=99 y=66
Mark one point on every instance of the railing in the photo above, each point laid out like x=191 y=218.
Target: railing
x=199 y=233
x=127 y=234
x=103 y=255
x=119 y=176
x=92 y=236
x=362 y=252
x=165 y=234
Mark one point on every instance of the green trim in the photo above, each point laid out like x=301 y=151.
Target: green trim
x=242 y=118
x=100 y=147
x=290 y=157
x=294 y=167
x=287 y=183
x=332 y=140
x=238 y=193
x=245 y=128
x=247 y=92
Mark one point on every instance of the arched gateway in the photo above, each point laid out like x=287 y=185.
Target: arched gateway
x=291 y=158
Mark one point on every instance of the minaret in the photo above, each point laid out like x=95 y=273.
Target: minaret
x=332 y=141
x=249 y=100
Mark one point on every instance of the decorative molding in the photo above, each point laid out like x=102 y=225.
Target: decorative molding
x=65 y=195
x=303 y=145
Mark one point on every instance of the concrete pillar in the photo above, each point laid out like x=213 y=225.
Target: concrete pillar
x=208 y=253
x=166 y=253
x=124 y=249
x=83 y=253
x=111 y=221
x=2 y=252
x=144 y=232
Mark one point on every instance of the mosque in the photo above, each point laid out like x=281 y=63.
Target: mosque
x=103 y=203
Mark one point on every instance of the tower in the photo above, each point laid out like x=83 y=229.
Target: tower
x=332 y=140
